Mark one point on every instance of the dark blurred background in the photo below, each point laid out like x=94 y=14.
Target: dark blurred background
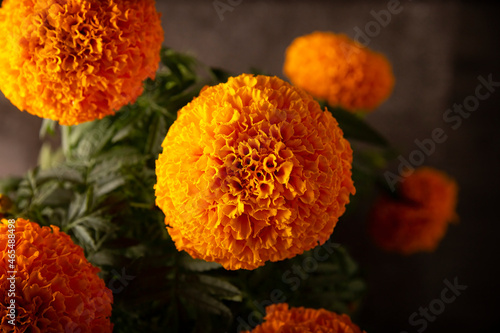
x=438 y=50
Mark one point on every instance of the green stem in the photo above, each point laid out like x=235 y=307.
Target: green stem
x=65 y=133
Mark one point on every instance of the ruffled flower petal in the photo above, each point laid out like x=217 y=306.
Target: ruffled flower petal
x=282 y=319
x=339 y=70
x=253 y=170
x=57 y=289
x=77 y=60
x=417 y=219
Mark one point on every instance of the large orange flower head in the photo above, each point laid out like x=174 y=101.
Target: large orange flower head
x=417 y=219
x=53 y=288
x=339 y=70
x=77 y=60
x=282 y=319
x=253 y=170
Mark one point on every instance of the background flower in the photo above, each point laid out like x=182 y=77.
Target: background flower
x=282 y=319
x=57 y=289
x=75 y=61
x=339 y=70
x=253 y=170
x=417 y=218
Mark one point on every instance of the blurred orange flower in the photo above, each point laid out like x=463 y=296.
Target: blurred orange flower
x=282 y=319
x=417 y=219
x=56 y=288
x=339 y=70
x=77 y=60
x=253 y=170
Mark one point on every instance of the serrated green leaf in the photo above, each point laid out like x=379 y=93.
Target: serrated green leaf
x=206 y=302
x=105 y=187
x=123 y=133
x=198 y=265
x=84 y=236
x=61 y=173
x=119 y=154
x=104 y=258
x=220 y=288
x=59 y=197
x=109 y=165
x=95 y=222
x=81 y=205
x=88 y=139
x=44 y=192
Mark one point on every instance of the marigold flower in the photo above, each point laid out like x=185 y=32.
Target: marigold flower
x=253 y=170
x=339 y=70
x=56 y=288
x=418 y=218
x=282 y=319
x=77 y=60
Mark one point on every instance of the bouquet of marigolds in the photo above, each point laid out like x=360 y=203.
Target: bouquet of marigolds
x=184 y=198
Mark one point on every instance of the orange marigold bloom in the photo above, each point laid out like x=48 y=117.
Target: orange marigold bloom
x=253 y=170
x=339 y=70
x=282 y=319
x=418 y=218
x=77 y=60
x=56 y=288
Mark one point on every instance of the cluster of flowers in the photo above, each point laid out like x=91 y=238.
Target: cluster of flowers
x=253 y=170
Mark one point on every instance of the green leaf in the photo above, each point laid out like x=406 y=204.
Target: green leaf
x=45 y=192
x=356 y=128
x=49 y=158
x=95 y=222
x=106 y=258
x=48 y=127
x=84 y=236
x=205 y=302
x=109 y=166
x=220 y=288
x=157 y=132
x=219 y=74
x=105 y=187
x=128 y=126
x=61 y=173
x=10 y=184
x=198 y=265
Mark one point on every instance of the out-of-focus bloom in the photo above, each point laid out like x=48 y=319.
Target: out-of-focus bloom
x=417 y=218
x=77 y=60
x=282 y=319
x=253 y=170
x=339 y=70
x=56 y=288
